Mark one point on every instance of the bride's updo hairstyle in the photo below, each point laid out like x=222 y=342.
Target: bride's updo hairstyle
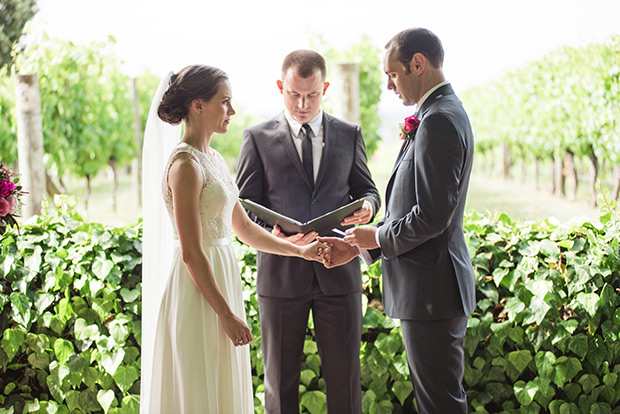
x=192 y=82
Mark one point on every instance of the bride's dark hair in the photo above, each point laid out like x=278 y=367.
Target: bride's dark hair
x=192 y=82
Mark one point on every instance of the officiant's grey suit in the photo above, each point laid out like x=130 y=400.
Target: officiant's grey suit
x=428 y=279
x=270 y=172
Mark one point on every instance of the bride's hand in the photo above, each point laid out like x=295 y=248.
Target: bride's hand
x=236 y=329
x=317 y=251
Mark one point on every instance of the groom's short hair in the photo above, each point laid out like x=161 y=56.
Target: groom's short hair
x=411 y=41
x=305 y=62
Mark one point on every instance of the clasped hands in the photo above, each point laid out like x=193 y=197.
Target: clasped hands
x=335 y=251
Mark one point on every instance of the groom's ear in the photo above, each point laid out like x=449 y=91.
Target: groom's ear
x=280 y=86
x=325 y=87
x=417 y=63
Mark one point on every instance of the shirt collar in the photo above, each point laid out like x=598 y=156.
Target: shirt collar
x=315 y=123
x=430 y=91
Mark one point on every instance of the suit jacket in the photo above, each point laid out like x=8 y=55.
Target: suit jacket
x=427 y=271
x=270 y=172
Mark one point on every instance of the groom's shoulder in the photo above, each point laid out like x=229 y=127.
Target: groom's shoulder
x=341 y=123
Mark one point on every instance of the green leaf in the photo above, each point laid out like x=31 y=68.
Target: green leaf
x=42 y=301
x=384 y=407
x=314 y=401
x=102 y=267
x=589 y=301
x=524 y=392
x=387 y=345
x=20 y=305
x=62 y=349
x=520 y=359
x=306 y=377
x=579 y=345
x=402 y=390
x=111 y=361
x=12 y=341
x=588 y=382
x=105 y=398
x=125 y=377
x=130 y=296
x=85 y=332
x=565 y=369
x=373 y=318
x=544 y=361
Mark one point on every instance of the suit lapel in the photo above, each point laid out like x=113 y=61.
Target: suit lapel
x=283 y=132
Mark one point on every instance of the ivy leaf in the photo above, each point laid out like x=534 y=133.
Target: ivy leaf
x=588 y=382
x=33 y=261
x=12 y=340
x=565 y=369
x=520 y=359
x=102 y=267
x=111 y=361
x=84 y=332
x=314 y=363
x=384 y=407
x=314 y=401
x=579 y=345
x=105 y=398
x=62 y=349
x=544 y=362
x=20 y=304
x=306 y=377
x=125 y=377
x=130 y=296
x=589 y=301
x=402 y=390
x=42 y=301
x=387 y=345
x=524 y=392
x=373 y=318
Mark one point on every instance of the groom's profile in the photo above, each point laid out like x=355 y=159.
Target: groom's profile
x=304 y=163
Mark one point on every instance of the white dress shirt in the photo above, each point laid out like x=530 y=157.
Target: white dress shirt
x=297 y=133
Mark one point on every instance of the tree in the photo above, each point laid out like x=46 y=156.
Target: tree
x=368 y=58
x=14 y=14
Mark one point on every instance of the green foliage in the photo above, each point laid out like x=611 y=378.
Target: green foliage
x=8 y=124
x=86 y=105
x=70 y=317
x=14 y=14
x=568 y=100
x=368 y=58
x=544 y=336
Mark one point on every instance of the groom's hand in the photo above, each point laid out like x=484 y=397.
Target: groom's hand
x=298 y=239
x=362 y=237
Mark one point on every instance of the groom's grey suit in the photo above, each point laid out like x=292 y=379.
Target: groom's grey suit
x=428 y=279
x=270 y=172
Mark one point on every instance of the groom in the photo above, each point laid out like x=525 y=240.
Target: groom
x=428 y=279
x=304 y=163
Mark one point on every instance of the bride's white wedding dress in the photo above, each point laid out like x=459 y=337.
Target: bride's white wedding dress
x=196 y=368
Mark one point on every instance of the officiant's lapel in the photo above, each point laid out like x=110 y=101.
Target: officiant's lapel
x=283 y=132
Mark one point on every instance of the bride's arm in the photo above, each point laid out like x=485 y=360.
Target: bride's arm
x=254 y=235
x=185 y=181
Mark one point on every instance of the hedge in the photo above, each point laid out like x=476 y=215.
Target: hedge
x=543 y=337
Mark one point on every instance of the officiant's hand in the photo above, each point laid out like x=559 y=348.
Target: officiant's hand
x=361 y=216
x=298 y=239
x=236 y=329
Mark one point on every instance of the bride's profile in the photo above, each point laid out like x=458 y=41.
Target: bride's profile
x=194 y=326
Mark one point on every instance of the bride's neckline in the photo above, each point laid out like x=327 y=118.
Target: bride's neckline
x=211 y=152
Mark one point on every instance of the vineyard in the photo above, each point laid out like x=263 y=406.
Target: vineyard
x=558 y=117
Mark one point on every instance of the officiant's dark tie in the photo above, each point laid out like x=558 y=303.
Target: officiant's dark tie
x=306 y=153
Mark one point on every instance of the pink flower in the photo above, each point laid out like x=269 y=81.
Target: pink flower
x=13 y=203
x=411 y=124
x=5 y=207
x=6 y=188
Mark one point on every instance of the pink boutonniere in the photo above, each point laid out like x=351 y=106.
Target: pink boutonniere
x=408 y=129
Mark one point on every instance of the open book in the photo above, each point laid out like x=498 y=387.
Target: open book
x=322 y=225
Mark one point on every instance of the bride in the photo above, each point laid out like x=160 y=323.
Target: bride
x=194 y=327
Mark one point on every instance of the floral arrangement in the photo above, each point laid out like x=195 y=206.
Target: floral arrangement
x=10 y=194
x=409 y=127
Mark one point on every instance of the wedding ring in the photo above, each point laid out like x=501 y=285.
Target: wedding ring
x=239 y=341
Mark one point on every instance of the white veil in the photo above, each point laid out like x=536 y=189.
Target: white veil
x=157 y=243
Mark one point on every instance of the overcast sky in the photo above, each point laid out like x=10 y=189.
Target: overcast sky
x=249 y=38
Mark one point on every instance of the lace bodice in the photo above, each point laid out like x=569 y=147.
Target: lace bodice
x=218 y=197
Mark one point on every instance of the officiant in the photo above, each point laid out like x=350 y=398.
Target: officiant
x=304 y=163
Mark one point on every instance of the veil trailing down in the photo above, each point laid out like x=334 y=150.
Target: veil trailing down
x=160 y=139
